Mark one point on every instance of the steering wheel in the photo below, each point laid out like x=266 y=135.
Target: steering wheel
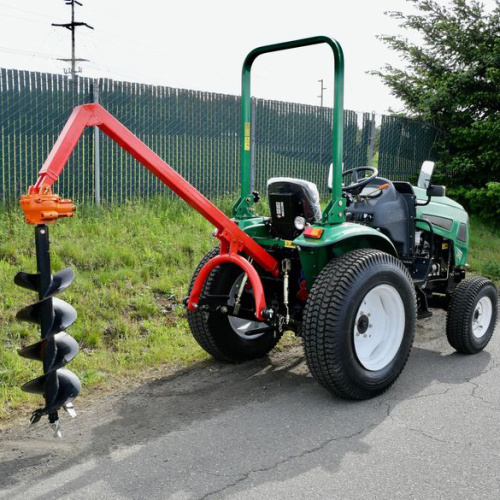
x=357 y=186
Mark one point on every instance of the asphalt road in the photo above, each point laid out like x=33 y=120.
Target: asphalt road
x=267 y=430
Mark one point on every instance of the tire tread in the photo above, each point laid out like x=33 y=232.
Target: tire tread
x=197 y=320
x=461 y=308
x=323 y=312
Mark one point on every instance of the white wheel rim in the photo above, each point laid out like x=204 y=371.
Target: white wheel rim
x=481 y=317
x=379 y=327
x=245 y=328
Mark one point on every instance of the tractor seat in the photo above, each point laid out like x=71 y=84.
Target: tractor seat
x=290 y=198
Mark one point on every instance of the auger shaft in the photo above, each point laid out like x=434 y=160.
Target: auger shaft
x=42 y=245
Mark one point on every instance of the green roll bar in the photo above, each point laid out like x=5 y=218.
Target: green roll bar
x=334 y=212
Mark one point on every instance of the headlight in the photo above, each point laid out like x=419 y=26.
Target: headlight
x=299 y=223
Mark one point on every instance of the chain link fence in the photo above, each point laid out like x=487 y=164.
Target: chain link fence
x=33 y=110
x=295 y=140
x=197 y=133
x=403 y=145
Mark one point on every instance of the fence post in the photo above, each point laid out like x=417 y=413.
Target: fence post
x=252 y=144
x=97 y=151
x=371 y=139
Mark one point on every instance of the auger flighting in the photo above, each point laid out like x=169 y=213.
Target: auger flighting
x=56 y=348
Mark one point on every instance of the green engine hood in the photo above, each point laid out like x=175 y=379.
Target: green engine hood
x=449 y=220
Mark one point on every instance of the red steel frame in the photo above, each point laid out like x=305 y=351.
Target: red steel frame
x=233 y=239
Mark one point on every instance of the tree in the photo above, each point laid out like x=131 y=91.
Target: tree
x=452 y=80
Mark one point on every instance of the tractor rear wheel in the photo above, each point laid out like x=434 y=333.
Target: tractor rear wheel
x=228 y=338
x=359 y=323
x=472 y=315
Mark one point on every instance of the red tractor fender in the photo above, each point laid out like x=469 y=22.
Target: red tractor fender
x=231 y=258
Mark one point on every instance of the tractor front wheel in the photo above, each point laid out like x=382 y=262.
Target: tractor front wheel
x=472 y=315
x=359 y=323
x=229 y=338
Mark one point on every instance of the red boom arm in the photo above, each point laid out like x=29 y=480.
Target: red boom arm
x=233 y=239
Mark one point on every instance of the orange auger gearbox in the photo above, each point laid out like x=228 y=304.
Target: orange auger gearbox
x=43 y=207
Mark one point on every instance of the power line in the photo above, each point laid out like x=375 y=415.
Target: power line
x=72 y=27
x=30 y=20
x=112 y=38
x=32 y=12
x=30 y=53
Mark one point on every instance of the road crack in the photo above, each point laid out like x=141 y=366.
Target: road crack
x=473 y=394
x=245 y=476
x=429 y=436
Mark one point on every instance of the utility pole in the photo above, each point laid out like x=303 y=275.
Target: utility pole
x=321 y=90
x=72 y=27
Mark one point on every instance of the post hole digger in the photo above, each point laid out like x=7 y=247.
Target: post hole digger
x=350 y=279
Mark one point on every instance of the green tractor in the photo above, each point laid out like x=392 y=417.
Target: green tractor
x=354 y=277
x=351 y=279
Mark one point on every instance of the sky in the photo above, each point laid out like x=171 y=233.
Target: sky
x=201 y=45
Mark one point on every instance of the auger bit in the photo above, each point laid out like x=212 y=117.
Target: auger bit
x=58 y=385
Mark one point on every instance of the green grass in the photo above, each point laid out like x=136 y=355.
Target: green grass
x=484 y=257
x=132 y=264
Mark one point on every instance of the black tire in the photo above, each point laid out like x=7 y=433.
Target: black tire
x=213 y=331
x=464 y=311
x=330 y=317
